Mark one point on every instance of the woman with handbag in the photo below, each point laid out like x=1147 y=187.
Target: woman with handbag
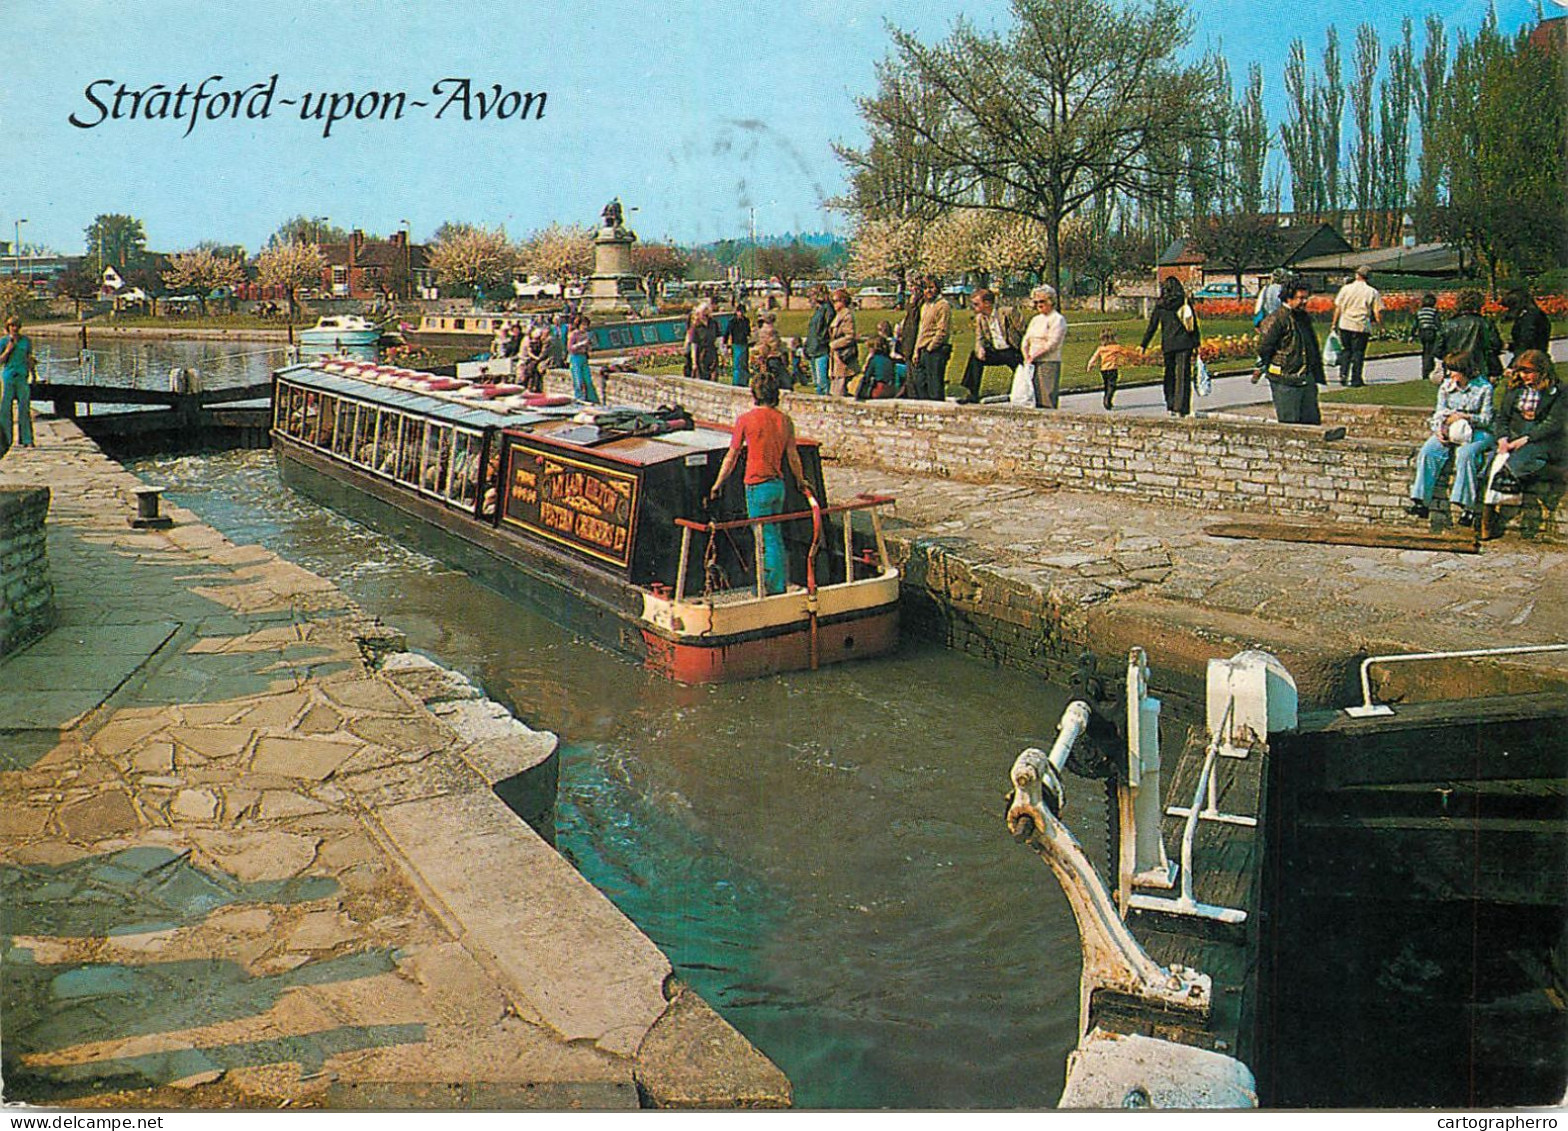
x=843 y=345
x=1177 y=323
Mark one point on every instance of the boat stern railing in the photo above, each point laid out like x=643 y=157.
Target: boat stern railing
x=817 y=513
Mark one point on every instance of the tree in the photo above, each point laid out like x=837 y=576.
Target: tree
x=1391 y=179
x=1076 y=99
x=80 y=283
x=117 y=240
x=1429 y=84
x=1252 y=143
x=1363 y=149
x=1501 y=154
x=475 y=259
x=557 y=253
x=306 y=229
x=16 y=299
x=661 y=260
x=885 y=248
x=200 y=272
x=291 y=266
x=1236 y=241
x=788 y=263
x=148 y=278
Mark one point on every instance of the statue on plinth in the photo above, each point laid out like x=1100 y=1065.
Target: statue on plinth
x=612 y=214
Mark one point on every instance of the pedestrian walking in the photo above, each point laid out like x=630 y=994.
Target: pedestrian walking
x=1357 y=308
x=1108 y=358
x=1177 y=323
x=1429 y=332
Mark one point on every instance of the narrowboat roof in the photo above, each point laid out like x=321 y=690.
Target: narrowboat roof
x=437 y=408
x=555 y=428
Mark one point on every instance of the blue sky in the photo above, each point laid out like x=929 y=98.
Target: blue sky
x=694 y=112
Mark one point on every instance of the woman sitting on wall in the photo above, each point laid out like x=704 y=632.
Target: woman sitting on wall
x=1462 y=428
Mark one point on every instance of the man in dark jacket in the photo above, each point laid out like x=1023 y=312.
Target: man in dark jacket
x=1289 y=357
x=1468 y=331
x=816 y=346
x=1532 y=328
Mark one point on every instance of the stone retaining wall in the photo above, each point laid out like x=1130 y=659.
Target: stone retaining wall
x=1226 y=464
x=26 y=595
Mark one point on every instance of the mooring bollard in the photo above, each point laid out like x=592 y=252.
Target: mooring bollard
x=147 y=516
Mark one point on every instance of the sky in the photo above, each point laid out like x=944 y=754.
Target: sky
x=704 y=117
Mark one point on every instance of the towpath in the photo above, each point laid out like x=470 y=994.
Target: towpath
x=252 y=856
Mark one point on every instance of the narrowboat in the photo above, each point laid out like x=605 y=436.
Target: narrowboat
x=598 y=516
x=476 y=329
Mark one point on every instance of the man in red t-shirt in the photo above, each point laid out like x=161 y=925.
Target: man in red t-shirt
x=768 y=436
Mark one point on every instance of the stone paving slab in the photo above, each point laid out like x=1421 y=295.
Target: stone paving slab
x=240 y=868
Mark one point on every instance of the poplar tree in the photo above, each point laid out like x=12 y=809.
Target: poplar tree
x=1363 y=148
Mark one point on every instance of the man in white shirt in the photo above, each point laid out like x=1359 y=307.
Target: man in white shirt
x=1357 y=307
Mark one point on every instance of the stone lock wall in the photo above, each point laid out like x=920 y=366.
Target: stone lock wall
x=1228 y=463
x=26 y=594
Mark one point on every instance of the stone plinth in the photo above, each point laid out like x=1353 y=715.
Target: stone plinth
x=613 y=285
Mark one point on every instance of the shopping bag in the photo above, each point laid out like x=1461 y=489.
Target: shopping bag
x=1023 y=386
x=1502 y=488
x=1205 y=382
x=1332 y=349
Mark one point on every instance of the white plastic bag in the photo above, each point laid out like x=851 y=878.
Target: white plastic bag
x=1022 y=393
x=1504 y=494
x=1205 y=382
x=1331 y=350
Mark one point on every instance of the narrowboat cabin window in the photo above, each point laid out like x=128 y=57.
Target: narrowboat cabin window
x=409 y=434
x=437 y=458
x=343 y=438
x=386 y=442
x=365 y=437
x=465 y=468
x=329 y=420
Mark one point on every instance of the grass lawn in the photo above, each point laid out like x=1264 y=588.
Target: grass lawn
x=195 y=322
x=1409 y=394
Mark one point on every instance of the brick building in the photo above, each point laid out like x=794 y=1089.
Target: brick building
x=368 y=268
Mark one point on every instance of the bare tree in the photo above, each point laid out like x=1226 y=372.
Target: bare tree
x=1077 y=98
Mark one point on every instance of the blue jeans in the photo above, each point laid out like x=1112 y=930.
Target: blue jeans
x=763 y=499
x=1433 y=457
x=738 y=372
x=15 y=389
x=582 y=379
x=819 y=371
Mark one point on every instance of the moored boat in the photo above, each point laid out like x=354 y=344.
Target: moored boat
x=476 y=329
x=341 y=331
x=599 y=516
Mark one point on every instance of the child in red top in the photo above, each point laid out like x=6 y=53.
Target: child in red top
x=1108 y=357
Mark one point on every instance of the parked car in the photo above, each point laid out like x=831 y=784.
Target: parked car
x=1219 y=290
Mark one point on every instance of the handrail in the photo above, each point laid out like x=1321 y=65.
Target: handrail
x=859 y=502
x=1367 y=708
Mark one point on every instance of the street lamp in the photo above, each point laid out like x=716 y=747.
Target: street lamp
x=16 y=253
